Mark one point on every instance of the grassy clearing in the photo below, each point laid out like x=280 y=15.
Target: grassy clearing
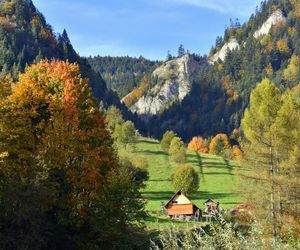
x=217 y=181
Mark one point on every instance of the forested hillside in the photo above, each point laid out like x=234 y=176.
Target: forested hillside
x=121 y=74
x=221 y=92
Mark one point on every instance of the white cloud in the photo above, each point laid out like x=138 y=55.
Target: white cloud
x=240 y=8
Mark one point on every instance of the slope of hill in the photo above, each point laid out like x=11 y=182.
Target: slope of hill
x=217 y=180
x=123 y=73
x=170 y=82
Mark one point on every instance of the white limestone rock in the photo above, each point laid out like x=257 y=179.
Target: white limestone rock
x=171 y=82
x=232 y=44
x=275 y=18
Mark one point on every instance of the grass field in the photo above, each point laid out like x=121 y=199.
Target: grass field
x=217 y=180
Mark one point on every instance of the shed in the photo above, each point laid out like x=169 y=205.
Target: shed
x=181 y=205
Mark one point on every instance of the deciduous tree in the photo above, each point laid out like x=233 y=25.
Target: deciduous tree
x=177 y=151
x=198 y=144
x=186 y=180
x=166 y=141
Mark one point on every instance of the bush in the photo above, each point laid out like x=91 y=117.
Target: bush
x=219 y=235
x=219 y=144
x=186 y=180
x=166 y=141
x=177 y=150
x=198 y=144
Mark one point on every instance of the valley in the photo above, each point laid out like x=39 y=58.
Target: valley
x=218 y=180
x=195 y=151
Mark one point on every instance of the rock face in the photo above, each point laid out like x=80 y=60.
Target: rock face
x=275 y=18
x=221 y=54
x=171 y=82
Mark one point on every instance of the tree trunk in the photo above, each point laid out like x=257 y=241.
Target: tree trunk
x=280 y=209
x=272 y=200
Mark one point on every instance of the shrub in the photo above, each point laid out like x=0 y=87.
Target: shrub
x=177 y=150
x=186 y=180
x=218 y=144
x=198 y=144
x=166 y=141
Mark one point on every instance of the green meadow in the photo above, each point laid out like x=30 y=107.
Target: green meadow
x=217 y=181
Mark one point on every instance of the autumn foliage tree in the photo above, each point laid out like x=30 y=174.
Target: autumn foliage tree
x=218 y=144
x=198 y=144
x=59 y=150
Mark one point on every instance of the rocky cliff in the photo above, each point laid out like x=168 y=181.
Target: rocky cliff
x=171 y=82
x=221 y=54
x=275 y=18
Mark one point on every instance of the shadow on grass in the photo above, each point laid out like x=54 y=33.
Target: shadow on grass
x=153 y=152
x=149 y=142
x=167 y=195
x=218 y=173
x=204 y=195
x=231 y=203
x=229 y=167
x=158 y=196
x=159 y=180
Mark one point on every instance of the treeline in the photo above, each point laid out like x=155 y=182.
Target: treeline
x=122 y=74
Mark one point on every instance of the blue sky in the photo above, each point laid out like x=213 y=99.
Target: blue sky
x=143 y=27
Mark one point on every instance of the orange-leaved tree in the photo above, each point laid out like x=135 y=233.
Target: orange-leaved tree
x=218 y=144
x=55 y=139
x=198 y=144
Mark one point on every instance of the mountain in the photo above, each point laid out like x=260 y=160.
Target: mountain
x=123 y=73
x=267 y=45
x=171 y=81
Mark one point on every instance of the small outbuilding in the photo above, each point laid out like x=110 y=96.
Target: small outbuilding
x=180 y=207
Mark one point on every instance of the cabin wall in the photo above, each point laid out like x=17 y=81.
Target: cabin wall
x=180 y=209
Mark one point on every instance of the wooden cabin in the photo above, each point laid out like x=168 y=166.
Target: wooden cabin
x=181 y=206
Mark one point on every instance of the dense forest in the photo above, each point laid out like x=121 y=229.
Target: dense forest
x=121 y=74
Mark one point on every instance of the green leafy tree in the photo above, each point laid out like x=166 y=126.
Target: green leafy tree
x=186 y=180
x=125 y=134
x=166 y=141
x=257 y=124
x=113 y=118
x=177 y=151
